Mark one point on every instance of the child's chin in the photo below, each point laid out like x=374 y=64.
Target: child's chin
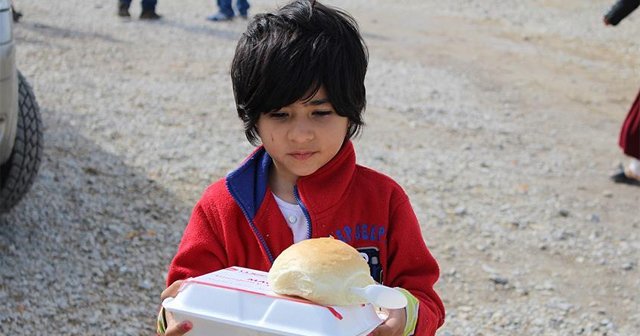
x=306 y=172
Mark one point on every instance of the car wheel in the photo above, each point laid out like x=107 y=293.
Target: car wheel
x=19 y=172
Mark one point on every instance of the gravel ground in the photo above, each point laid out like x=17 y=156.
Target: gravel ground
x=500 y=118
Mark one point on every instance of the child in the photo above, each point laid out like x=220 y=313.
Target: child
x=298 y=79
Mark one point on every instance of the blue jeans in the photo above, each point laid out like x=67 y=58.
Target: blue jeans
x=225 y=7
x=146 y=4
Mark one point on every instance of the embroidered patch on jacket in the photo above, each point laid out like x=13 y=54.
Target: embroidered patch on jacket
x=372 y=256
x=361 y=232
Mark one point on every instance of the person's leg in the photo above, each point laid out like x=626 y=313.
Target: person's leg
x=243 y=7
x=123 y=8
x=225 y=7
x=225 y=12
x=149 y=10
x=149 y=5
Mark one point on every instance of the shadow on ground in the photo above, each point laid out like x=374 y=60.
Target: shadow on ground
x=125 y=230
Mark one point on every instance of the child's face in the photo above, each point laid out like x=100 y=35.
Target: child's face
x=303 y=136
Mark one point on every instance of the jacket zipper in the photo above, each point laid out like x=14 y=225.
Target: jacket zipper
x=304 y=210
x=255 y=230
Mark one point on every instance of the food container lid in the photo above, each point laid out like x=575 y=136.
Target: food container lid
x=238 y=301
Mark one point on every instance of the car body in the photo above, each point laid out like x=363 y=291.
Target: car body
x=8 y=83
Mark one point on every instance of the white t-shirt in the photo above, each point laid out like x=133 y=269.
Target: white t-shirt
x=295 y=219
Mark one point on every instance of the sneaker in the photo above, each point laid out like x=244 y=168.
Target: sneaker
x=244 y=16
x=219 y=17
x=621 y=176
x=123 y=11
x=149 y=15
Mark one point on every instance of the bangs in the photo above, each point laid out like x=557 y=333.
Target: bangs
x=292 y=71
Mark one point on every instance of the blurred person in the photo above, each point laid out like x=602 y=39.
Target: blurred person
x=148 y=9
x=226 y=13
x=629 y=139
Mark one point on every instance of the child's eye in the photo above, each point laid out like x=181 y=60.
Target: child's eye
x=322 y=113
x=277 y=115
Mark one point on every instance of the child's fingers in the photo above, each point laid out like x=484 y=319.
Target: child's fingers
x=393 y=325
x=173 y=328
x=385 y=330
x=172 y=290
x=179 y=329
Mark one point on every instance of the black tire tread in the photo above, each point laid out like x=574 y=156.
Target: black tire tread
x=18 y=174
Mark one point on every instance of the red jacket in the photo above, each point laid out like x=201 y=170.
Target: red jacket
x=237 y=222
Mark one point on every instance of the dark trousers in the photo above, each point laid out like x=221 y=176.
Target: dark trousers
x=146 y=4
x=226 y=9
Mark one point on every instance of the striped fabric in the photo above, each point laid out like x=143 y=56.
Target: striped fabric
x=412 y=312
x=161 y=327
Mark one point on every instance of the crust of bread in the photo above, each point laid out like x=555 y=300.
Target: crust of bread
x=322 y=270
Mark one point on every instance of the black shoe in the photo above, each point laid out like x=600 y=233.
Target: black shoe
x=149 y=14
x=123 y=11
x=620 y=177
x=16 y=15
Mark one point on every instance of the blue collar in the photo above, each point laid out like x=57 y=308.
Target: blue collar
x=248 y=183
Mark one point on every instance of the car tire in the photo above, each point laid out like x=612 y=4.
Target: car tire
x=19 y=172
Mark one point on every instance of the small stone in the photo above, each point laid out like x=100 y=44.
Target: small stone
x=145 y=284
x=489 y=269
x=465 y=309
x=498 y=280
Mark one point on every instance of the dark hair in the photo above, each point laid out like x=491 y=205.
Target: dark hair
x=287 y=55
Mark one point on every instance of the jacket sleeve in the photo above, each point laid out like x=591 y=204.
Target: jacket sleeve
x=620 y=10
x=411 y=267
x=200 y=250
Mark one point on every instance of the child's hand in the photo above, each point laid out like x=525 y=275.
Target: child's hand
x=393 y=325
x=174 y=328
x=178 y=329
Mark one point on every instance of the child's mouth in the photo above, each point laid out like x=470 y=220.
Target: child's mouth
x=302 y=155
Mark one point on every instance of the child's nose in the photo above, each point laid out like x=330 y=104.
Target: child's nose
x=301 y=131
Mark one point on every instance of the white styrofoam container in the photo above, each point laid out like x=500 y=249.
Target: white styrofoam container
x=238 y=301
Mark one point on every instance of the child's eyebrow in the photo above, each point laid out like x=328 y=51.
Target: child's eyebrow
x=317 y=102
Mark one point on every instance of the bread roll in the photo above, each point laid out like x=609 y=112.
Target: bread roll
x=322 y=270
